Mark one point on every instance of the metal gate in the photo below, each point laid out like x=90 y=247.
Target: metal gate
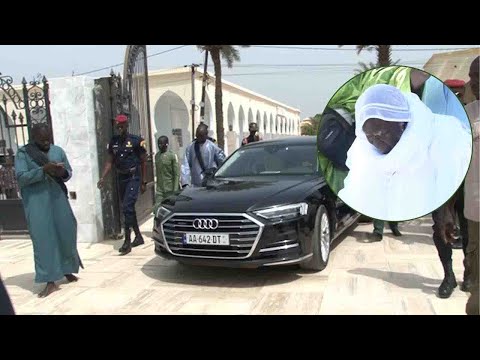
x=131 y=97
x=19 y=111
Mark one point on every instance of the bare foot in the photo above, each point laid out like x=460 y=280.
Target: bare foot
x=50 y=288
x=71 y=278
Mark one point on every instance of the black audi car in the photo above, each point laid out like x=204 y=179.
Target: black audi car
x=266 y=205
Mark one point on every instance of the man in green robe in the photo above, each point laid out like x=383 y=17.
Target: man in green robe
x=167 y=171
x=42 y=170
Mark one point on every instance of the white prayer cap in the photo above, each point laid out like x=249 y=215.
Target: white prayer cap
x=384 y=102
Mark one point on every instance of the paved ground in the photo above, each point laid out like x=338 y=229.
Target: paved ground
x=395 y=276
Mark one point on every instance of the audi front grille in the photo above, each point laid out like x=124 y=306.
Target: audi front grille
x=243 y=230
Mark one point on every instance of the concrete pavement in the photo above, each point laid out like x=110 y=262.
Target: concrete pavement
x=395 y=276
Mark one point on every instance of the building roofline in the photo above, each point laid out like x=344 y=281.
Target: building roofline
x=451 y=54
x=199 y=74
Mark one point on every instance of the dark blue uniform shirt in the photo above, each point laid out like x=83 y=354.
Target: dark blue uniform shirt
x=127 y=154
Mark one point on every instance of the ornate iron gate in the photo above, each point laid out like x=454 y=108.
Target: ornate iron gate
x=19 y=111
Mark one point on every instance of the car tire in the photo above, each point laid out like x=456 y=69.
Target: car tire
x=321 y=241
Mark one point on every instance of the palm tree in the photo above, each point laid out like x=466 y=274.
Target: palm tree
x=230 y=54
x=384 y=53
x=384 y=56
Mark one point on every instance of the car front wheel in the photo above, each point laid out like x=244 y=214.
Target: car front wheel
x=321 y=242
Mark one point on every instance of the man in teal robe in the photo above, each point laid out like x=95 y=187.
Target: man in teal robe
x=41 y=170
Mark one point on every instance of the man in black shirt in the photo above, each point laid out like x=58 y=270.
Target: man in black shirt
x=253 y=137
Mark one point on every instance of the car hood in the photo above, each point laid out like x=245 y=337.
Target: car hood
x=243 y=194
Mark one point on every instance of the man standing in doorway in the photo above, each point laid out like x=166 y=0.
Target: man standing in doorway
x=129 y=155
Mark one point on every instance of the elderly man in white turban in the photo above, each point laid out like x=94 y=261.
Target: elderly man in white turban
x=406 y=161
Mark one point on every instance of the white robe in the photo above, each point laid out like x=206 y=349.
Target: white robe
x=420 y=174
x=191 y=172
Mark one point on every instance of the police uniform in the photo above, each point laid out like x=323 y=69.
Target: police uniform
x=127 y=156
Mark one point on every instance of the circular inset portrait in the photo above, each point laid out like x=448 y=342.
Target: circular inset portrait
x=394 y=143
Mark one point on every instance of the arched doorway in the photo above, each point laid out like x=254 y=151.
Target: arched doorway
x=258 y=120
x=209 y=118
x=250 y=120
x=265 y=126
x=241 y=124
x=172 y=120
x=231 y=140
x=272 y=127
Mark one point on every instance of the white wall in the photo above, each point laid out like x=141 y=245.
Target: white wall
x=73 y=121
x=180 y=84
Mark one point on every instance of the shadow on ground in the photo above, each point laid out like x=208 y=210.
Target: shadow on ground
x=117 y=243
x=414 y=231
x=183 y=274
x=170 y=271
x=406 y=238
x=403 y=280
x=26 y=281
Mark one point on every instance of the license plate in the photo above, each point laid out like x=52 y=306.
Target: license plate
x=206 y=239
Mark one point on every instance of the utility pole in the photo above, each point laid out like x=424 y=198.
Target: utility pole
x=204 y=85
x=193 y=67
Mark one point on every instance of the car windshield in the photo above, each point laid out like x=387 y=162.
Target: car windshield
x=271 y=159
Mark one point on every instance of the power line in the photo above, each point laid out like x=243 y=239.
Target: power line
x=265 y=73
x=344 y=49
x=281 y=47
x=289 y=72
x=169 y=50
x=286 y=65
x=97 y=70
x=149 y=56
x=312 y=65
x=330 y=70
x=311 y=68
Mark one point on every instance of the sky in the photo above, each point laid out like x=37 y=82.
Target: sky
x=303 y=76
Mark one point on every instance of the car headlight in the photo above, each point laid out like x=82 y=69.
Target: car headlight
x=283 y=212
x=162 y=212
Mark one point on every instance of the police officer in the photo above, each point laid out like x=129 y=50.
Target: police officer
x=128 y=153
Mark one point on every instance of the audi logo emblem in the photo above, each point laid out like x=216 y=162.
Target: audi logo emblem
x=205 y=224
